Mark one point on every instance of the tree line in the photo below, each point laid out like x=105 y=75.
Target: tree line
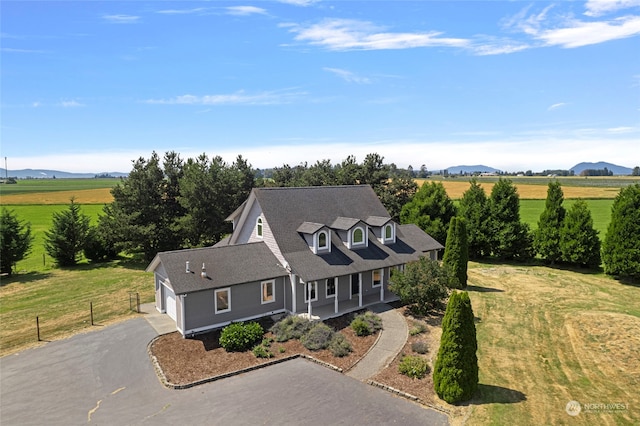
x=169 y=204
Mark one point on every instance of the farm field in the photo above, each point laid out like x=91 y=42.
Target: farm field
x=533 y=188
x=61 y=298
x=39 y=186
x=549 y=336
x=530 y=211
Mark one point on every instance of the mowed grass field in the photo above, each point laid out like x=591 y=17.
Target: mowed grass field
x=549 y=336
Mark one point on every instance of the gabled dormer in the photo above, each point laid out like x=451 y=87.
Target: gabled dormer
x=383 y=228
x=354 y=233
x=317 y=236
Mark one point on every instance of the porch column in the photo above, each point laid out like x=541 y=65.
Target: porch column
x=293 y=279
x=360 y=289
x=382 y=280
x=309 y=298
x=335 y=299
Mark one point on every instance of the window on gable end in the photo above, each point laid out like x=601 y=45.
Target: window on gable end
x=259 y=227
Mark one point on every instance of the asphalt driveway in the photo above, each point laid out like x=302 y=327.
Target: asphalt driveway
x=105 y=377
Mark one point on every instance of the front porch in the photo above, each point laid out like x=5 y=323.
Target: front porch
x=321 y=313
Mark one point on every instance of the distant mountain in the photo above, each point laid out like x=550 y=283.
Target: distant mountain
x=617 y=170
x=50 y=174
x=458 y=170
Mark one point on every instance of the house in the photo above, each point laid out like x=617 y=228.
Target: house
x=318 y=251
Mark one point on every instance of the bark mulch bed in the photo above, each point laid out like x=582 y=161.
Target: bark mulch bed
x=185 y=361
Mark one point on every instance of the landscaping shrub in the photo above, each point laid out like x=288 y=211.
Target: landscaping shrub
x=361 y=327
x=366 y=324
x=318 y=337
x=260 y=351
x=239 y=336
x=420 y=347
x=339 y=345
x=417 y=328
x=291 y=327
x=414 y=366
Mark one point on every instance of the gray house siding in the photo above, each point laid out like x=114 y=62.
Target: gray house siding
x=248 y=231
x=246 y=303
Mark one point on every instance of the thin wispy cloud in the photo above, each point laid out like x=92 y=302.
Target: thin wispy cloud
x=182 y=11
x=348 y=76
x=12 y=50
x=349 y=34
x=71 y=104
x=601 y=7
x=245 y=10
x=299 y=2
x=121 y=19
x=238 y=98
x=556 y=106
x=622 y=130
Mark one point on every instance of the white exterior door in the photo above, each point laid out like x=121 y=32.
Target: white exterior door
x=170 y=302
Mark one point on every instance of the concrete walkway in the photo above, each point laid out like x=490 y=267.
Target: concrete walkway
x=392 y=338
x=161 y=323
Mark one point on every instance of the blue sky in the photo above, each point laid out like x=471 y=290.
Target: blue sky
x=90 y=86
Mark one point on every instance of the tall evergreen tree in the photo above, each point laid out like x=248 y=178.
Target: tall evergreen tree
x=455 y=374
x=145 y=212
x=456 y=253
x=511 y=239
x=396 y=193
x=621 y=248
x=547 y=237
x=65 y=239
x=431 y=209
x=474 y=208
x=579 y=242
x=15 y=240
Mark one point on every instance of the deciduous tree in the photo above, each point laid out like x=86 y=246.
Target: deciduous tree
x=423 y=284
x=621 y=248
x=455 y=374
x=15 y=240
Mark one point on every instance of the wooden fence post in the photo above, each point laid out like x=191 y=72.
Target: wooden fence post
x=38 y=327
x=91 y=310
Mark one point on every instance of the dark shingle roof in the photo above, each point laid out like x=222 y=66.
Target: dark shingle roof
x=225 y=265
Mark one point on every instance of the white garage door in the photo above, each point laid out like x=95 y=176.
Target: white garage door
x=170 y=302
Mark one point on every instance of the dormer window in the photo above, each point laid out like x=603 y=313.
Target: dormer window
x=388 y=232
x=323 y=240
x=357 y=236
x=259 y=227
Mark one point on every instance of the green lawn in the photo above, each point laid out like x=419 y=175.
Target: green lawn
x=26 y=186
x=40 y=217
x=530 y=211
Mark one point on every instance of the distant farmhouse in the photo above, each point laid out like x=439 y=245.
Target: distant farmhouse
x=316 y=251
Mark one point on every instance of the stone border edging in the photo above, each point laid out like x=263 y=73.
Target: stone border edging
x=166 y=383
x=367 y=352
x=407 y=396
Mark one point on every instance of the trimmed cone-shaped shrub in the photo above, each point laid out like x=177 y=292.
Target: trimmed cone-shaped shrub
x=455 y=375
x=456 y=253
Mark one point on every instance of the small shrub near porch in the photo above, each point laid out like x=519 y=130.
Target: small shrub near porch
x=366 y=324
x=240 y=336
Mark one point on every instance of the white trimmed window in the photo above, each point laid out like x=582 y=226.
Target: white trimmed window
x=388 y=232
x=323 y=240
x=268 y=291
x=331 y=287
x=377 y=277
x=311 y=291
x=223 y=300
x=357 y=236
x=259 y=227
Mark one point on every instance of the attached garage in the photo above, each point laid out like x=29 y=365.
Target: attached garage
x=170 y=302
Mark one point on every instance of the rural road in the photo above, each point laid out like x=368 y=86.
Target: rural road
x=105 y=377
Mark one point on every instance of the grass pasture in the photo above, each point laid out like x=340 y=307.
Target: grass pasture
x=530 y=211
x=61 y=298
x=40 y=186
x=549 y=336
x=40 y=217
